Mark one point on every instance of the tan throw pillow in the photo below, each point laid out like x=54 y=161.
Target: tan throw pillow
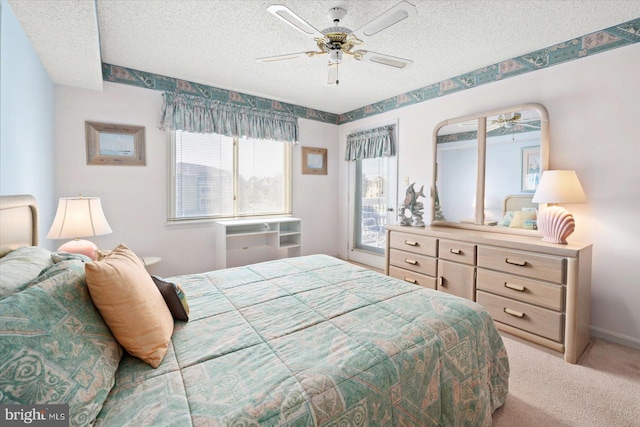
x=131 y=304
x=523 y=219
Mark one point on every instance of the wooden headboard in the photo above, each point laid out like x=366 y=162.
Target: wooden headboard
x=18 y=222
x=516 y=202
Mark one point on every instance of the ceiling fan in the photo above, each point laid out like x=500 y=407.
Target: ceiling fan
x=338 y=41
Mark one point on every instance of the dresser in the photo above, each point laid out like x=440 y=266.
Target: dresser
x=536 y=291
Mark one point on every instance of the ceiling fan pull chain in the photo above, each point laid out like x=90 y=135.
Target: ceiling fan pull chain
x=337 y=70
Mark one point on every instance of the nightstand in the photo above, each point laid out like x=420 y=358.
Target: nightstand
x=150 y=260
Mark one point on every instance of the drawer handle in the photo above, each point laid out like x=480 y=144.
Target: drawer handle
x=455 y=251
x=514 y=313
x=410 y=280
x=514 y=287
x=441 y=281
x=411 y=261
x=513 y=261
x=410 y=243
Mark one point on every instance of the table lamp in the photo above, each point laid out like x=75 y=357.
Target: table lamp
x=557 y=186
x=79 y=217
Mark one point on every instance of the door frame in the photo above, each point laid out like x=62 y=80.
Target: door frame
x=358 y=255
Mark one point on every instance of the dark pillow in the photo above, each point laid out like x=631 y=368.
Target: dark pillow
x=174 y=297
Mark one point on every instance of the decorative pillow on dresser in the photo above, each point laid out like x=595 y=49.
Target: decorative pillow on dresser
x=524 y=219
x=55 y=347
x=131 y=304
x=506 y=219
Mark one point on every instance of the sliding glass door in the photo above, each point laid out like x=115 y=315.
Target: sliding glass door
x=374 y=199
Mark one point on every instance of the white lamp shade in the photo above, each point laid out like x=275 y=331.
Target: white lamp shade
x=559 y=186
x=556 y=223
x=79 y=217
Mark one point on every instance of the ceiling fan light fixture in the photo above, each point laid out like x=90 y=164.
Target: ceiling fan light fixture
x=337 y=41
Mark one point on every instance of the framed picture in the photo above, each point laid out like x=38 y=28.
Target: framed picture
x=109 y=144
x=530 y=168
x=314 y=161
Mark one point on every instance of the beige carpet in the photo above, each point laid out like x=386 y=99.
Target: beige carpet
x=602 y=390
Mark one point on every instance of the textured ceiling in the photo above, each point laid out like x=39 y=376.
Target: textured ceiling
x=216 y=42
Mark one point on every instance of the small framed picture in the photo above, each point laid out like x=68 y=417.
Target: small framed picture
x=530 y=168
x=314 y=161
x=110 y=144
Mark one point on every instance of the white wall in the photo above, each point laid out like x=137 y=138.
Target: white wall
x=134 y=198
x=592 y=102
x=26 y=121
x=595 y=129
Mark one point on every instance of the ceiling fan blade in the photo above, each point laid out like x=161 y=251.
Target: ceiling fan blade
x=398 y=13
x=286 y=56
x=288 y=16
x=332 y=79
x=528 y=125
x=380 y=58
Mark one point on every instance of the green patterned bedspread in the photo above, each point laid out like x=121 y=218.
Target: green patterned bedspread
x=316 y=341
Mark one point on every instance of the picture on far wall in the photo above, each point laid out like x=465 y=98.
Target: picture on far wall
x=111 y=144
x=530 y=168
x=314 y=161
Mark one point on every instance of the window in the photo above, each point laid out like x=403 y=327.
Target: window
x=214 y=176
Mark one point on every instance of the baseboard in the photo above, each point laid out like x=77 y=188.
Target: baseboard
x=615 y=337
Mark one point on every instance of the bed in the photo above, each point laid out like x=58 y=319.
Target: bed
x=301 y=341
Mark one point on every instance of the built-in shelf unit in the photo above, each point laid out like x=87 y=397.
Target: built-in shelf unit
x=283 y=235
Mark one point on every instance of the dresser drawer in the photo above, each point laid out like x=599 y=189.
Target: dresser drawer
x=456 y=279
x=457 y=251
x=537 y=320
x=423 y=245
x=521 y=289
x=413 y=277
x=541 y=267
x=412 y=261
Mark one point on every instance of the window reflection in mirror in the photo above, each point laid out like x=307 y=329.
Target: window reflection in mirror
x=457 y=168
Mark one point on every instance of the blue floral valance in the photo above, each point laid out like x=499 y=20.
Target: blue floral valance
x=200 y=115
x=371 y=143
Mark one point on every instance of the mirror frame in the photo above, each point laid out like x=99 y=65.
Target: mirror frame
x=480 y=181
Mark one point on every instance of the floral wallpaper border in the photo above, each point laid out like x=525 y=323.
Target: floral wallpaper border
x=118 y=74
x=600 y=41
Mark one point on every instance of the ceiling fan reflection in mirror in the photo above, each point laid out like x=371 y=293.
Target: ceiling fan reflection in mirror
x=506 y=121
x=338 y=41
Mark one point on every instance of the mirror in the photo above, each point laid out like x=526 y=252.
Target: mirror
x=487 y=168
x=457 y=163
